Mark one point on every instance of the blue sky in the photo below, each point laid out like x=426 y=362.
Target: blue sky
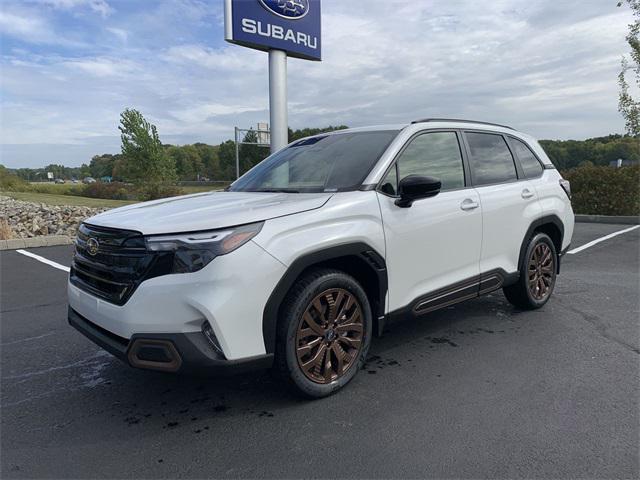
x=69 y=67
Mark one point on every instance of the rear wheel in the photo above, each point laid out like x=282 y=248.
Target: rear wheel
x=537 y=275
x=324 y=333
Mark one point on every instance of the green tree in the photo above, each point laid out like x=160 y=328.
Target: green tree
x=145 y=161
x=599 y=151
x=102 y=165
x=628 y=106
x=251 y=155
x=83 y=171
x=9 y=181
x=227 y=159
x=187 y=159
x=306 y=132
x=210 y=160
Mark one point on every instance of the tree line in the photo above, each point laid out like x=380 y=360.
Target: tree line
x=198 y=161
x=217 y=162
x=566 y=154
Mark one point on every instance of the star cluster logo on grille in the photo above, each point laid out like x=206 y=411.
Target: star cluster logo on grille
x=93 y=246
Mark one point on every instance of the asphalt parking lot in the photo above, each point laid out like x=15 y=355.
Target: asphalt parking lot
x=476 y=390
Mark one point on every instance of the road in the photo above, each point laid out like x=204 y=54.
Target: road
x=476 y=390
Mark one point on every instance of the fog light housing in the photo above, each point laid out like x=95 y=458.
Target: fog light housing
x=207 y=331
x=154 y=354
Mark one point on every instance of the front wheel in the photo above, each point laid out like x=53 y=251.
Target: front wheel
x=324 y=333
x=537 y=275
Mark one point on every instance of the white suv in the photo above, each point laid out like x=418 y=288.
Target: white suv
x=305 y=257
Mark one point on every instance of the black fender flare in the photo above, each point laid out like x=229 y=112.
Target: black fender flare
x=362 y=250
x=537 y=223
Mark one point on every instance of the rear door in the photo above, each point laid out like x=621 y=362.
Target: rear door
x=435 y=243
x=509 y=201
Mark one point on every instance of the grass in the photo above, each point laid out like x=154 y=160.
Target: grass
x=68 y=188
x=62 y=194
x=55 y=189
x=56 y=199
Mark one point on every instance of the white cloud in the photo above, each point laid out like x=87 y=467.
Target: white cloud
x=98 y=6
x=31 y=27
x=28 y=28
x=120 y=33
x=103 y=67
x=224 y=59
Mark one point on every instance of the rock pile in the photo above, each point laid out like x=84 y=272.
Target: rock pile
x=27 y=219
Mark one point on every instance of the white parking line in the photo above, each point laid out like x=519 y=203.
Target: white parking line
x=601 y=239
x=44 y=260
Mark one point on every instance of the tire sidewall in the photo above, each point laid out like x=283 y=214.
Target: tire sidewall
x=537 y=239
x=317 y=286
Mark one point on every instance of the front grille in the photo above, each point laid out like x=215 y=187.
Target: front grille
x=114 y=267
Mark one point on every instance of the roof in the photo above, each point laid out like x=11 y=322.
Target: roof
x=432 y=123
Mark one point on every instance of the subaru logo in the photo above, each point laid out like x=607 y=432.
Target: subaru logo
x=289 y=9
x=92 y=246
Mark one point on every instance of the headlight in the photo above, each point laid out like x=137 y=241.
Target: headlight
x=189 y=252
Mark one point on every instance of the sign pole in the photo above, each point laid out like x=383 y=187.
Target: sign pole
x=278 y=99
x=282 y=28
x=237 y=153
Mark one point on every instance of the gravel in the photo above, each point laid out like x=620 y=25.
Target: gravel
x=29 y=219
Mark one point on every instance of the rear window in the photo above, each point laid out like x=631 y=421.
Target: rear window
x=491 y=161
x=528 y=161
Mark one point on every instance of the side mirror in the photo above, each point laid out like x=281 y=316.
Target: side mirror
x=415 y=187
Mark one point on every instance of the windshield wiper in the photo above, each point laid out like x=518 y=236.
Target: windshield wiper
x=276 y=190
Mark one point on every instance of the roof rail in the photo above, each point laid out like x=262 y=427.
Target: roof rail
x=461 y=121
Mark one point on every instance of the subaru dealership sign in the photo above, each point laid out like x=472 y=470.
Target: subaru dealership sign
x=292 y=26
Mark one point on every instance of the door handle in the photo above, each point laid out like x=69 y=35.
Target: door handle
x=468 y=204
x=526 y=193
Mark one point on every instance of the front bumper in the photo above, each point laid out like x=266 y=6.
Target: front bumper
x=229 y=294
x=169 y=352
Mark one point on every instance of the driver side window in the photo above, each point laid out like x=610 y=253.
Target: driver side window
x=433 y=154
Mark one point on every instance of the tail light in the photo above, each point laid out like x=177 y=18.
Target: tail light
x=566 y=186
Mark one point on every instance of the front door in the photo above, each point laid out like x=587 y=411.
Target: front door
x=435 y=243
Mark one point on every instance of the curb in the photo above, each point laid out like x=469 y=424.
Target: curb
x=621 y=220
x=43 y=241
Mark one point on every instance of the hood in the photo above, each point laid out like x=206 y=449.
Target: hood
x=207 y=211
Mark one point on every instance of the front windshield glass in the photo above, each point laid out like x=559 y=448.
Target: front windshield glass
x=324 y=163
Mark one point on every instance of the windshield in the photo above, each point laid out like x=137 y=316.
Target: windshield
x=324 y=163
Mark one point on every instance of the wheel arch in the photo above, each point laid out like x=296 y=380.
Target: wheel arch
x=550 y=225
x=357 y=259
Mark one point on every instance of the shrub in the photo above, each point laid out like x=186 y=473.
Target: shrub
x=10 y=182
x=605 y=190
x=111 y=191
x=153 y=191
x=54 y=189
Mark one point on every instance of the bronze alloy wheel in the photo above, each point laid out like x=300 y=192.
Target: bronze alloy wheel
x=541 y=271
x=329 y=336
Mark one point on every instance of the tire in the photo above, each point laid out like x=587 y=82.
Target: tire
x=323 y=333
x=537 y=275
